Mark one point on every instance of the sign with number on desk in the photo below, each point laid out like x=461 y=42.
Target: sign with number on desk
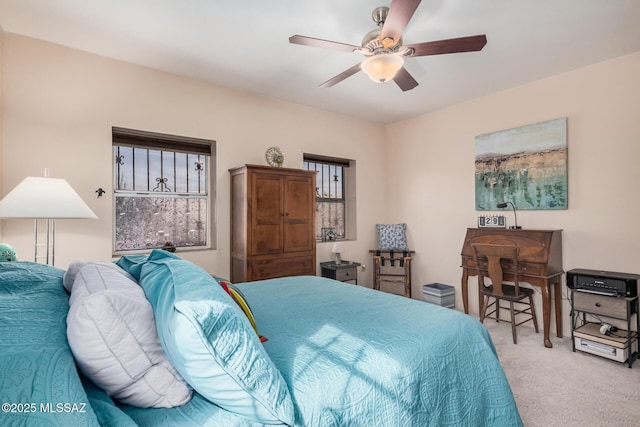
x=492 y=221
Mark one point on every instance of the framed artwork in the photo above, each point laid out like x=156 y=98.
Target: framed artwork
x=526 y=166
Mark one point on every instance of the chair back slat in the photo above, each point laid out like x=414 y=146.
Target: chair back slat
x=494 y=254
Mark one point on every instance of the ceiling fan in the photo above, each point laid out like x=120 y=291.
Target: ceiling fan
x=384 y=50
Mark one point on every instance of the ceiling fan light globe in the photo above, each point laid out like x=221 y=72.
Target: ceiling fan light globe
x=383 y=67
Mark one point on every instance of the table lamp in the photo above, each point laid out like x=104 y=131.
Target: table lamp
x=338 y=248
x=48 y=199
x=515 y=217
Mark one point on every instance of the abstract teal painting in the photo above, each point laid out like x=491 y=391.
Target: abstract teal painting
x=526 y=166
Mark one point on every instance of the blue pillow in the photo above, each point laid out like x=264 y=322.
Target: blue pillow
x=210 y=341
x=132 y=264
x=392 y=237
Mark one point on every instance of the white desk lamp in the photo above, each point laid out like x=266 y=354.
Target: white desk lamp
x=44 y=198
x=338 y=248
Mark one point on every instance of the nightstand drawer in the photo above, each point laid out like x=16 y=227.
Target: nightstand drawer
x=346 y=274
x=600 y=304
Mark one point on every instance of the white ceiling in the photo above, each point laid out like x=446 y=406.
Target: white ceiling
x=244 y=44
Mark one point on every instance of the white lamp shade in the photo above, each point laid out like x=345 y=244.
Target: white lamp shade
x=382 y=67
x=44 y=197
x=338 y=248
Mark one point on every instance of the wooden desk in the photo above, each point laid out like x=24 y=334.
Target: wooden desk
x=540 y=265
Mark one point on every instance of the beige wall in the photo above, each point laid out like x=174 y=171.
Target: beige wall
x=433 y=156
x=59 y=107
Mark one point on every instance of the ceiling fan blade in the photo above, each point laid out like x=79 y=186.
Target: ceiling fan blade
x=340 y=77
x=327 y=44
x=439 y=47
x=400 y=13
x=405 y=80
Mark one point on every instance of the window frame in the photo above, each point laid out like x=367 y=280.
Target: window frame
x=123 y=137
x=348 y=167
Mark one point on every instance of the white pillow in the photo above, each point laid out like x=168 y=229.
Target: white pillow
x=112 y=333
x=72 y=270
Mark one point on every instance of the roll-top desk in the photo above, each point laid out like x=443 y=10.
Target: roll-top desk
x=540 y=264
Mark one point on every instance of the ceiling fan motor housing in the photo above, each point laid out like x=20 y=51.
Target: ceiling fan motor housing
x=371 y=42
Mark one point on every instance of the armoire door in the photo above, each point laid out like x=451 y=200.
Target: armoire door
x=267 y=205
x=299 y=213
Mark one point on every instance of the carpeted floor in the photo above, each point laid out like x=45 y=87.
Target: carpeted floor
x=557 y=387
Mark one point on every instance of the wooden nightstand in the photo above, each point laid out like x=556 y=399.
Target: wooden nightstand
x=346 y=271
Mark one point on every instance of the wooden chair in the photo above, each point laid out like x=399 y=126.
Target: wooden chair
x=400 y=268
x=514 y=294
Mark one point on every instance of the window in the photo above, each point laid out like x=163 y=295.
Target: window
x=332 y=203
x=162 y=191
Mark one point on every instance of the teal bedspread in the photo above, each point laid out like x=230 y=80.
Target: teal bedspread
x=352 y=356
x=39 y=383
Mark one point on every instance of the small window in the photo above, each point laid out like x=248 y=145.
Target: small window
x=162 y=191
x=331 y=197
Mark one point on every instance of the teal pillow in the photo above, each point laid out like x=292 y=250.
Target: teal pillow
x=132 y=264
x=210 y=341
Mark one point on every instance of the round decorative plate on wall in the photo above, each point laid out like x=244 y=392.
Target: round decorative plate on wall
x=274 y=156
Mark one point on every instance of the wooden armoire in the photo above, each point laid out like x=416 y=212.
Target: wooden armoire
x=272 y=222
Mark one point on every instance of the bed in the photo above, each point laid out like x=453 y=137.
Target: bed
x=343 y=355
